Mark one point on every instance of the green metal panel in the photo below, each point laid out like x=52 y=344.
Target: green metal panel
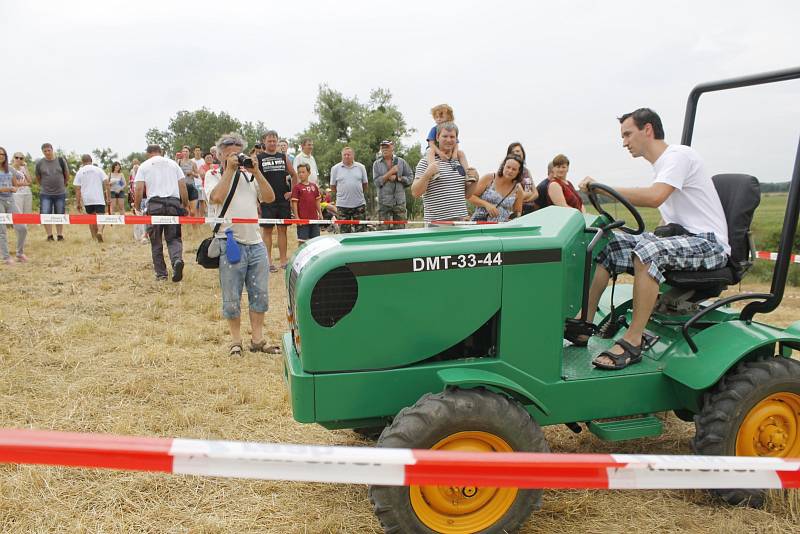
x=720 y=347
x=300 y=384
x=402 y=318
x=457 y=376
x=640 y=427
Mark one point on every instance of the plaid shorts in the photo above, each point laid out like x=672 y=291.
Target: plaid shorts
x=695 y=252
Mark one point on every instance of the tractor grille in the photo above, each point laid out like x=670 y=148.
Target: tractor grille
x=334 y=296
x=290 y=289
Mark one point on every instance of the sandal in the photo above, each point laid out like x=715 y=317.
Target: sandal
x=629 y=356
x=578 y=332
x=261 y=346
x=236 y=349
x=273 y=268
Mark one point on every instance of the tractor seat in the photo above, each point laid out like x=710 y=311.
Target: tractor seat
x=740 y=195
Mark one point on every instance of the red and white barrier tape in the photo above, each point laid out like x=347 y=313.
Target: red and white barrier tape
x=793 y=258
x=396 y=467
x=35 y=218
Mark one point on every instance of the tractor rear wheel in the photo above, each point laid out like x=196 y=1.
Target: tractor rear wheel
x=754 y=410
x=473 y=420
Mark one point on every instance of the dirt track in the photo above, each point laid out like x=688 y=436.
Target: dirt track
x=91 y=343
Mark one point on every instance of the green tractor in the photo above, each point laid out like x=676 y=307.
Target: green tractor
x=452 y=338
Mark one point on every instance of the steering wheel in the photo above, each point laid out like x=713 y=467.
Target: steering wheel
x=592 y=193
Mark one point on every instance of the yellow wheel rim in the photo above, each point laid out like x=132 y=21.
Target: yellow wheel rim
x=771 y=428
x=463 y=509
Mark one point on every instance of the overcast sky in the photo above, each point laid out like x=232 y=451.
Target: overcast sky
x=552 y=75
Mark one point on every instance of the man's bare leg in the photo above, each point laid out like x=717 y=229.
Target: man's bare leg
x=235 y=327
x=257 y=326
x=266 y=236
x=645 y=294
x=599 y=284
x=282 y=244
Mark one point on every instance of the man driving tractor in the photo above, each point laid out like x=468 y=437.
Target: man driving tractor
x=694 y=236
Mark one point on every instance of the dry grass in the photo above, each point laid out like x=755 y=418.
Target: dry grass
x=92 y=343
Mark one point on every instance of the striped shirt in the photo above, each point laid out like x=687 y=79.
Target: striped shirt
x=444 y=199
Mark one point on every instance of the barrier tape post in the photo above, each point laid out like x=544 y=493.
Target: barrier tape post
x=396 y=467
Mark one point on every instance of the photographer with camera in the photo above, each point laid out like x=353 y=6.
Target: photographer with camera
x=243 y=257
x=166 y=195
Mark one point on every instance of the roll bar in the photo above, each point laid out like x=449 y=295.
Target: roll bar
x=781 y=269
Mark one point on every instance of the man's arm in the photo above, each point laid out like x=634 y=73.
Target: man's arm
x=138 y=194
x=66 y=171
x=78 y=198
x=265 y=190
x=644 y=197
x=406 y=176
x=421 y=182
x=184 y=193
x=364 y=180
x=378 y=178
x=290 y=170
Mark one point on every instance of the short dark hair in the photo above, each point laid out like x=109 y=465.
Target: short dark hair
x=516 y=144
x=46 y=145
x=559 y=160
x=516 y=158
x=269 y=133
x=644 y=116
x=306 y=140
x=116 y=164
x=306 y=166
x=196 y=146
x=86 y=158
x=153 y=149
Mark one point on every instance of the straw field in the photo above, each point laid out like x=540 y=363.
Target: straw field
x=92 y=343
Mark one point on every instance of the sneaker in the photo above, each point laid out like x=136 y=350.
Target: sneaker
x=22 y=258
x=61 y=238
x=50 y=238
x=177 y=271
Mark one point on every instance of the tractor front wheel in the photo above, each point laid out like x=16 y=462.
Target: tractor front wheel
x=754 y=410
x=474 y=420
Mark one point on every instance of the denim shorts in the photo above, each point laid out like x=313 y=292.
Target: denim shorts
x=251 y=272
x=52 y=203
x=307 y=231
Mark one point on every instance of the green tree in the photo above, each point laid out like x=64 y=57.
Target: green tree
x=104 y=157
x=345 y=121
x=202 y=127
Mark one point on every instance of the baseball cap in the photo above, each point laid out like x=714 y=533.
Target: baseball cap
x=386 y=142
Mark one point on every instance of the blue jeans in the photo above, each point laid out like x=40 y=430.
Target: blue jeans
x=52 y=203
x=251 y=272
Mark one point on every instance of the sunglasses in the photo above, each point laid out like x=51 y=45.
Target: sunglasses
x=19 y=157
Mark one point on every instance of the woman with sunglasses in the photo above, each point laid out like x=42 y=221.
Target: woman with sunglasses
x=498 y=196
x=23 y=197
x=10 y=179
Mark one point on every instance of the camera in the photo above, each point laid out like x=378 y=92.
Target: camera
x=245 y=161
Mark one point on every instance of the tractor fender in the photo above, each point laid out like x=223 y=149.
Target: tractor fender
x=720 y=347
x=479 y=377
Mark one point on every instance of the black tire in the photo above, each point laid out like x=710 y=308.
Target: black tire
x=437 y=416
x=729 y=402
x=369 y=433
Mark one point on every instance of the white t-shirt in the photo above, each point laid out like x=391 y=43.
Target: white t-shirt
x=91 y=181
x=694 y=204
x=161 y=176
x=244 y=204
x=198 y=162
x=302 y=158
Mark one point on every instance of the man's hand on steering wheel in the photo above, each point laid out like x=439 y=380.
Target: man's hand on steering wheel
x=591 y=188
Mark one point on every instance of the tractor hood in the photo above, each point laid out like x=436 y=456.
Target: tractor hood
x=383 y=300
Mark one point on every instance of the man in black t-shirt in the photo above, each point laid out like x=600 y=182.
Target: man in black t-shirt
x=278 y=170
